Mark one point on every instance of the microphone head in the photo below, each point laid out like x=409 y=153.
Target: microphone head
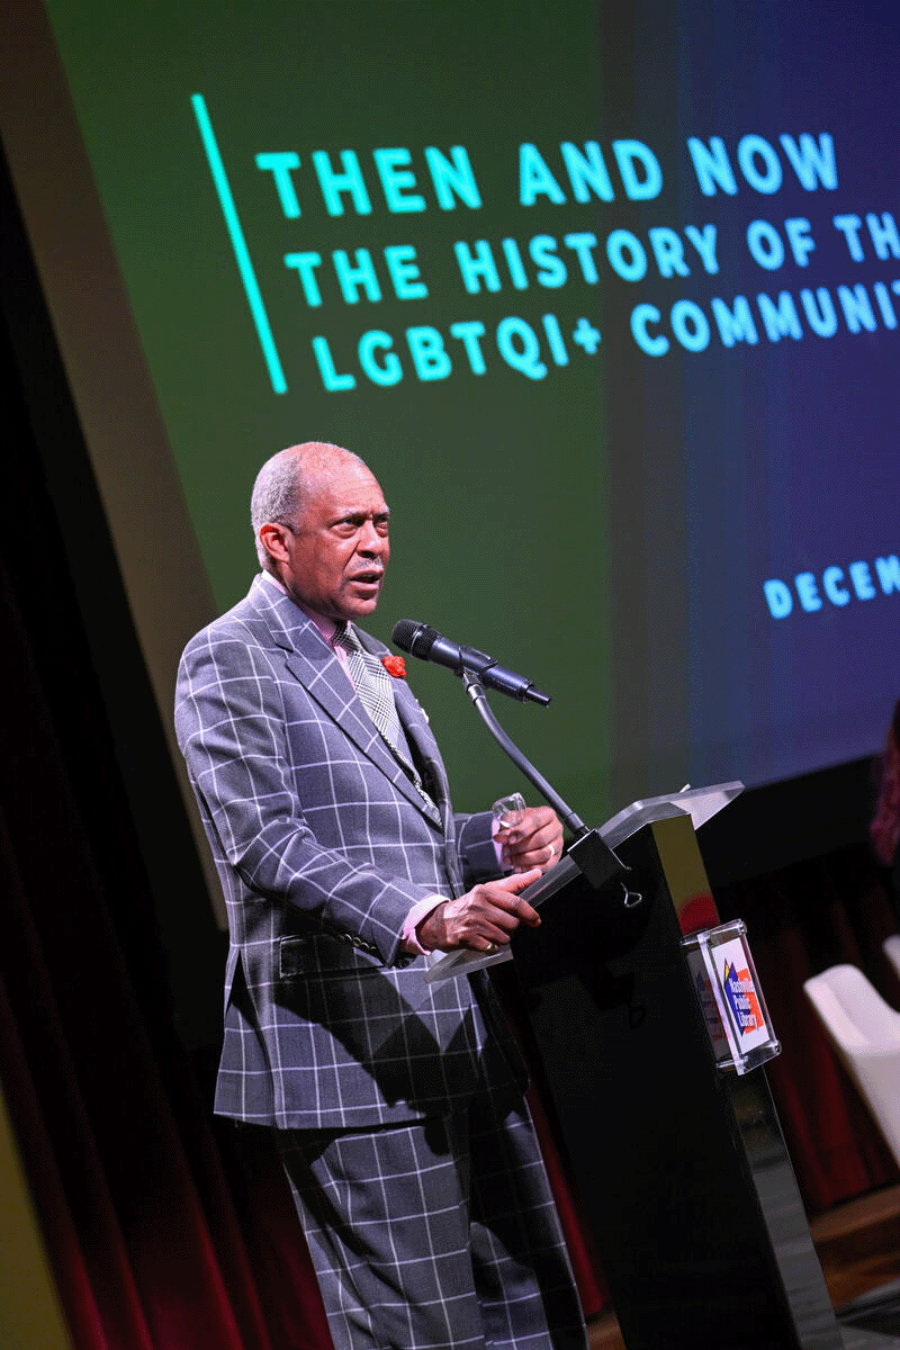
x=415 y=638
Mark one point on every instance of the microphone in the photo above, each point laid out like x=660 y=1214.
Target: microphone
x=428 y=645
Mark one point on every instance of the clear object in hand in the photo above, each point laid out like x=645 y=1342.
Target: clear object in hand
x=508 y=811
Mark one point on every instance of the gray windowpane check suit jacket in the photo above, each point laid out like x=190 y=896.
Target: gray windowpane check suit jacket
x=322 y=844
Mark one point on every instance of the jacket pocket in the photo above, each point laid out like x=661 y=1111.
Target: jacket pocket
x=322 y=954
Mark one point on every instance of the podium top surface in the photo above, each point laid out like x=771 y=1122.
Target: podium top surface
x=701 y=804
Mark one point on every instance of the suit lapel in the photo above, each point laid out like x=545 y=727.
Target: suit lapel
x=311 y=661
x=419 y=735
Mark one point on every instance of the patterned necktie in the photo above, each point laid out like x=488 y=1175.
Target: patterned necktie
x=375 y=691
x=373 y=684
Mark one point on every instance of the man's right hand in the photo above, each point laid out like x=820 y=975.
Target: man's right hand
x=483 y=919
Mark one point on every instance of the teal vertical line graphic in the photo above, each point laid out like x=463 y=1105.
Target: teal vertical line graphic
x=238 y=243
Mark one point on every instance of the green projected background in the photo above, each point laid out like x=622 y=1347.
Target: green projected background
x=495 y=479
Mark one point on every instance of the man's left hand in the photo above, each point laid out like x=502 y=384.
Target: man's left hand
x=534 y=841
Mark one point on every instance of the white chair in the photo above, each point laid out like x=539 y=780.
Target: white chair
x=865 y=1032
x=891 y=949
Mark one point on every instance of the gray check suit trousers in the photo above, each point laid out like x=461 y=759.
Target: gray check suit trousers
x=440 y=1235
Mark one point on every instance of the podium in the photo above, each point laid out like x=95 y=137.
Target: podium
x=675 y=1148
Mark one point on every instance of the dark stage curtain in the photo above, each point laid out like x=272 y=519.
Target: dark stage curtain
x=140 y=1219
x=801 y=920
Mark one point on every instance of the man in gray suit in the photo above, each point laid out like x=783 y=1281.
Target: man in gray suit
x=399 y=1104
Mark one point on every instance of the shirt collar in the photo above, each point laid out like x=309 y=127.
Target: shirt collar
x=326 y=626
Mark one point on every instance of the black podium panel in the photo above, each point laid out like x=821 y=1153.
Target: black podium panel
x=681 y=1168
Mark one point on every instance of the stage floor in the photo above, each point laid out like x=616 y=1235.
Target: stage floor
x=858 y=1245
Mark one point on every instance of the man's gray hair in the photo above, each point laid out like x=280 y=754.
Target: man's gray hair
x=280 y=487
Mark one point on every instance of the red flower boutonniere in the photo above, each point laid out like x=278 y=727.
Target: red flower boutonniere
x=395 y=665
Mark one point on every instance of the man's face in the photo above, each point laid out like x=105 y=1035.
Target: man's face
x=339 y=548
